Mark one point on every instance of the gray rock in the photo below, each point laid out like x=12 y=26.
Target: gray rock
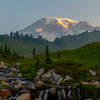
x=20 y=75
x=40 y=72
x=2 y=64
x=67 y=78
x=40 y=84
x=93 y=72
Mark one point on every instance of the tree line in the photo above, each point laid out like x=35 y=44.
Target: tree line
x=6 y=51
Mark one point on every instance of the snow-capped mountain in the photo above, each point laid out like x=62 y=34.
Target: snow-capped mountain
x=50 y=28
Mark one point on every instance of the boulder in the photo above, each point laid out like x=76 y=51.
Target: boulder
x=11 y=74
x=54 y=75
x=18 y=86
x=67 y=78
x=52 y=91
x=2 y=64
x=20 y=75
x=40 y=84
x=13 y=69
x=5 y=92
x=51 y=76
x=37 y=78
x=5 y=83
x=60 y=80
x=40 y=72
x=5 y=67
x=46 y=77
x=93 y=72
x=25 y=96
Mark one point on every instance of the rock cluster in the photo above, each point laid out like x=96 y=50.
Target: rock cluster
x=51 y=77
x=14 y=87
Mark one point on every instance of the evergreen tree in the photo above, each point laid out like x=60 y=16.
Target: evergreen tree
x=8 y=51
x=47 y=60
x=5 y=48
x=34 y=52
x=11 y=34
x=1 y=49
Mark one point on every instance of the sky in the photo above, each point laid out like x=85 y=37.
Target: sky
x=17 y=14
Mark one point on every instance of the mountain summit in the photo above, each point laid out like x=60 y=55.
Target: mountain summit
x=50 y=28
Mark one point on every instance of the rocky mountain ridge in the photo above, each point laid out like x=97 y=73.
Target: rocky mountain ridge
x=50 y=28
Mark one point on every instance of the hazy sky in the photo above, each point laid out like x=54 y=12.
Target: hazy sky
x=17 y=14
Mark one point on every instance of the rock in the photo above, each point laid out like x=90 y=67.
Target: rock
x=54 y=75
x=32 y=87
x=67 y=78
x=5 y=67
x=13 y=69
x=10 y=74
x=85 y=83
x=5 y=83
x=2 y=64
x=18 y=86
x=51 y=77
x=37 y=78
x=40 y=72
x=40 y=84
x=4 y=92
x=46 y=77
x=93 y=72
x=52 y=91
x=24 y=97
x=59 y=81
x=20 y=75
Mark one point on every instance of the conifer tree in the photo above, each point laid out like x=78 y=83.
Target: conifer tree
x=5 y=48
x=34 y=52
x=11 y=34
x=47 y=59
x=1 y=49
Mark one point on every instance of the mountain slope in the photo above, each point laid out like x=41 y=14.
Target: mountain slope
x=50 y=28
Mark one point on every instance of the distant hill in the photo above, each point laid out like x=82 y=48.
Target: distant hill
x=25 y=43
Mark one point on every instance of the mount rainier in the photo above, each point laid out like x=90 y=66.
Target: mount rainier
x=50 y=28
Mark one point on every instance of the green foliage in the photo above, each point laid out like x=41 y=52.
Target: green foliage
x=47 y=56
x=34 y=52
x=91 y=90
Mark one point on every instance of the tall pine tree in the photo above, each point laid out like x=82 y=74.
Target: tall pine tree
x=47 y=59
x=34 y=52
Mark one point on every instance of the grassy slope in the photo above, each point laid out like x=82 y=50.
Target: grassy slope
x=76 y=63
x=67 y=62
